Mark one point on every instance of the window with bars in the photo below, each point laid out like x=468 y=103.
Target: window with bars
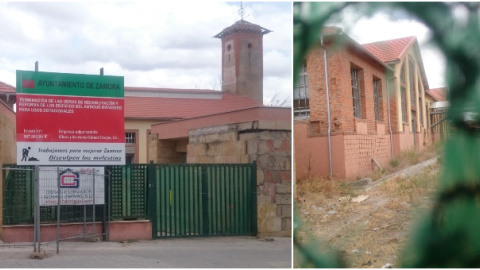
x=357 y=108
x=376 y=98
x=130 y=137
x=301 y=104
x=411 y=69
x=403 y=99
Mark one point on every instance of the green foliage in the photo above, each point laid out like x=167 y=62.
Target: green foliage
x=394 y=162
x=311 y=253
x=449 y=236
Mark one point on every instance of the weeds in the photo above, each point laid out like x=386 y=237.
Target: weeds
x=377 y=174
x=409 y=158
x=394 y=163
x=412 y=189
x=326 y=187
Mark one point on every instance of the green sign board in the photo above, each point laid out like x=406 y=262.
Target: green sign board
x=48 y=83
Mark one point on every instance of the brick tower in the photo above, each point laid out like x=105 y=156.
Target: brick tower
x=242 y=59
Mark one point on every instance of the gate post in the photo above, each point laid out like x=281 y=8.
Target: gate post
x=36 y=231
x=58 y=209
x=152 y=198
x=37 y=252
x=254 y=198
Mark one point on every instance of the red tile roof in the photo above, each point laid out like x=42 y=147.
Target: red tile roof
x=170 y=108
x=7 y=88
x=439 y=94
x=390 y=50
x=170 y=104
x=332 y=32
x=167 y=90
x=243 y=26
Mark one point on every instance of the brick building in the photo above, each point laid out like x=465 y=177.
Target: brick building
x=237 y=128
x=147 y=106
x=408 y=109
x=356 y=106
x=8 y=94
x=178 y=125
x=8 y=147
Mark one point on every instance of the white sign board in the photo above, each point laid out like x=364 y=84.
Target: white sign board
x=77 y=185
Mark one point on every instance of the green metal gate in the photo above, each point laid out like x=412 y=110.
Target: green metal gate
x=191 y=200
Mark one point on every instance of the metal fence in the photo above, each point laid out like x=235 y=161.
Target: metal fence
x=76 y=197
x=448 y=236
x=17 y=187
x=189 y=200
x=127 y=201
x=81 y=211
x=17 y=194
x=128 y=191
x=181 y=200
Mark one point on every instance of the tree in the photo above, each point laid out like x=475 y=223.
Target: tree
x=278 y=101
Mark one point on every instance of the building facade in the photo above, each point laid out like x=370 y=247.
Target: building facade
x=238 y=129
x=409 y=112
x=357 y=106
x=171 y=125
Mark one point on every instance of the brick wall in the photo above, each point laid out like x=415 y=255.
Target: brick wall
x=242 y=65
x=339 y=62
x=351 y=153
x=268 y=143
x=8 y=147
x=360 y=149
x=311 y=153
x=354 y=141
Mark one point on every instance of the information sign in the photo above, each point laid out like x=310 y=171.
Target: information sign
x=70 y=119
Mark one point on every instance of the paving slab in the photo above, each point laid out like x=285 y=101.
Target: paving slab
x=214 y=252
x=406 y=172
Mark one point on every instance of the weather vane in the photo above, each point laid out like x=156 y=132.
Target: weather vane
x=241 y=12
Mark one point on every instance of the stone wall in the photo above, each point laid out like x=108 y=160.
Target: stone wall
x=164 y=151
x=269 y=144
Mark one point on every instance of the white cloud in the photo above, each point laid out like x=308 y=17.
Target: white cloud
x=382 y=26
x=150 y=43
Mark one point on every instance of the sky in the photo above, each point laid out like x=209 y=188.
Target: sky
x=166 y=44
x=385 y=26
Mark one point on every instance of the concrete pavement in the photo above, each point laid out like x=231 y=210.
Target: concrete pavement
x=215 y=252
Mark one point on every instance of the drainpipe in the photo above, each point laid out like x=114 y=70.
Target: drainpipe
x=328 y=109
x=389 y=122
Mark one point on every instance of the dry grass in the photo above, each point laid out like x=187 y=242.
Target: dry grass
x=325 y=187
x=413 y=189
x=371 y=233
x=406 y=159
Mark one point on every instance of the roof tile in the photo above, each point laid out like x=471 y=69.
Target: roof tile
x=390 y=50
x=439 y=94
x=175 y=108
x=7 y=88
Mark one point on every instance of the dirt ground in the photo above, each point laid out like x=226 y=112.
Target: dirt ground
x=370 y=233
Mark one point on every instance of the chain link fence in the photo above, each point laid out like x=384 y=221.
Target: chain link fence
x=449 y=235
x=61 y=203
x=73 y=199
